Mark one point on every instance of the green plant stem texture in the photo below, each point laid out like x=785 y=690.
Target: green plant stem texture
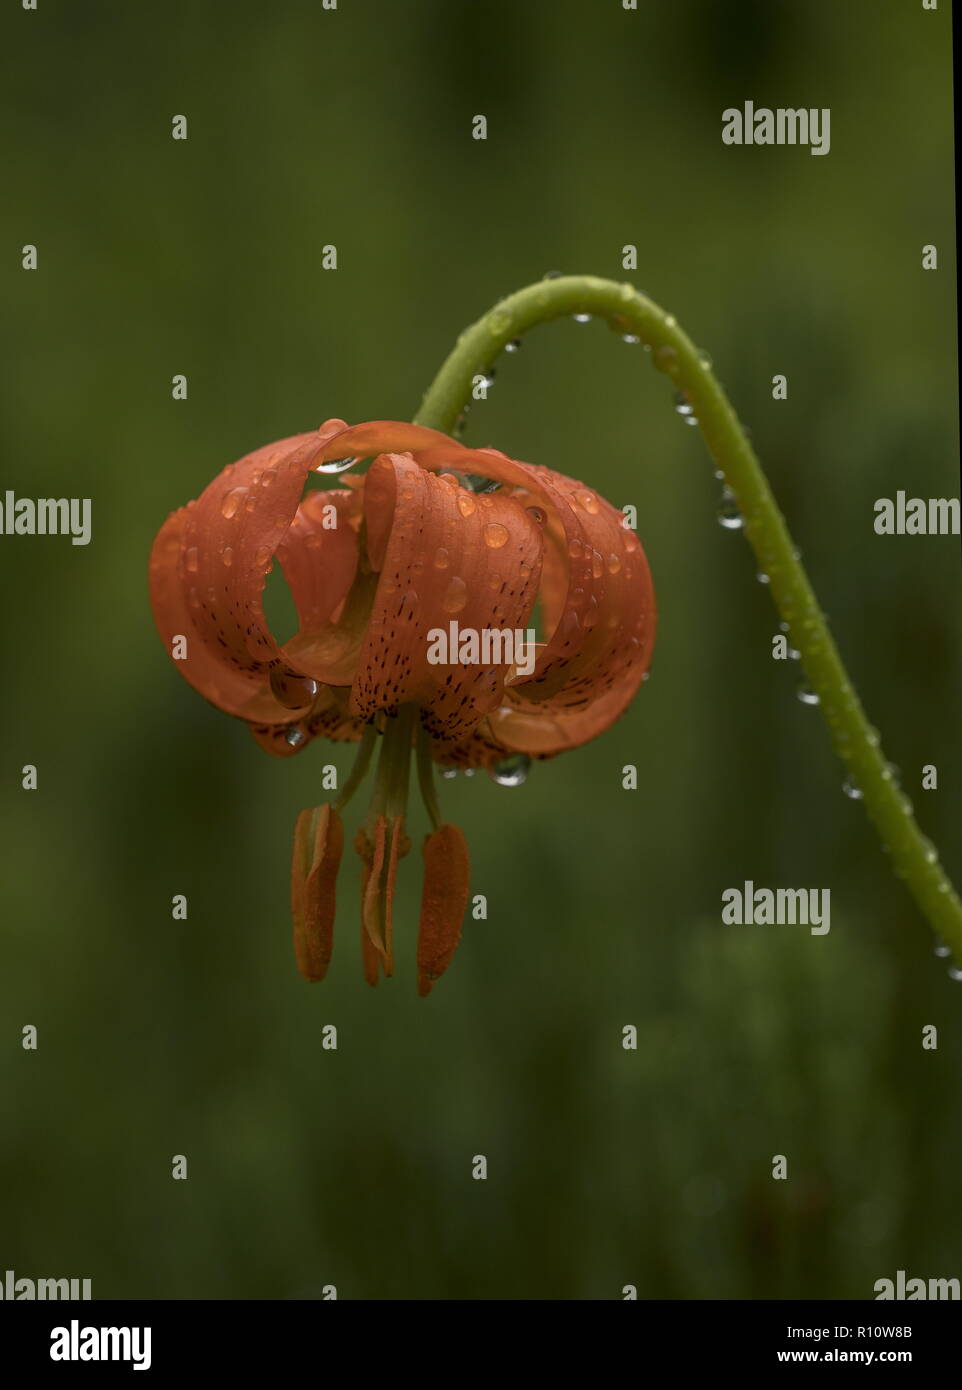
x=671 y=351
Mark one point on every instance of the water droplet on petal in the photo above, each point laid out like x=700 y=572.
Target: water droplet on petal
x=570 y=624
x=513 y=346
x=614 y=563
x=295 y=737
x=762 y=577
x=851 y=789
x=683 y=405
x=336 y=465
x=512 y=771
x=807 y=695
x=291 y=689
x=487 y=692
x=455 y=596
x=232 y=501
x=262 y=556
x=448 y=772
x=227 y=555
x=588 y=500
x=477 y=483
x=495 y=535
x=441 y=558
x=597 y=564
x=537 y=515
x=192 y=559
x=466 y=503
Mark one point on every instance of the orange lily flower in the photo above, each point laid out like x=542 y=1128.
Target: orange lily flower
x=433 y=536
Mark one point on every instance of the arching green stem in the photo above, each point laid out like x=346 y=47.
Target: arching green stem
x=672 y=351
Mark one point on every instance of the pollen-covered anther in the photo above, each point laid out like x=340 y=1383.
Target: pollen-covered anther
x=318 y=845
x=443 y=902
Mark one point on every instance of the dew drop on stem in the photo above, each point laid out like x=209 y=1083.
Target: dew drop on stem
x=729 y=516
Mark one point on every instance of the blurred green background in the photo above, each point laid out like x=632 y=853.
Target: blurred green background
x=158 y=1037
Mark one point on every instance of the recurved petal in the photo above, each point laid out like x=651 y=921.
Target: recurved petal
x=573 y=717
x=542 y=731
x=445 y=558
x=318 y=844
x=382 y=437
x=331 y=591
x=328 y=718
x=207 y=573
x=608 y=601
x=443 y=902
x=318 y=555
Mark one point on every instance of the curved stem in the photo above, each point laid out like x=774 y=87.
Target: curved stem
x=672 y=351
